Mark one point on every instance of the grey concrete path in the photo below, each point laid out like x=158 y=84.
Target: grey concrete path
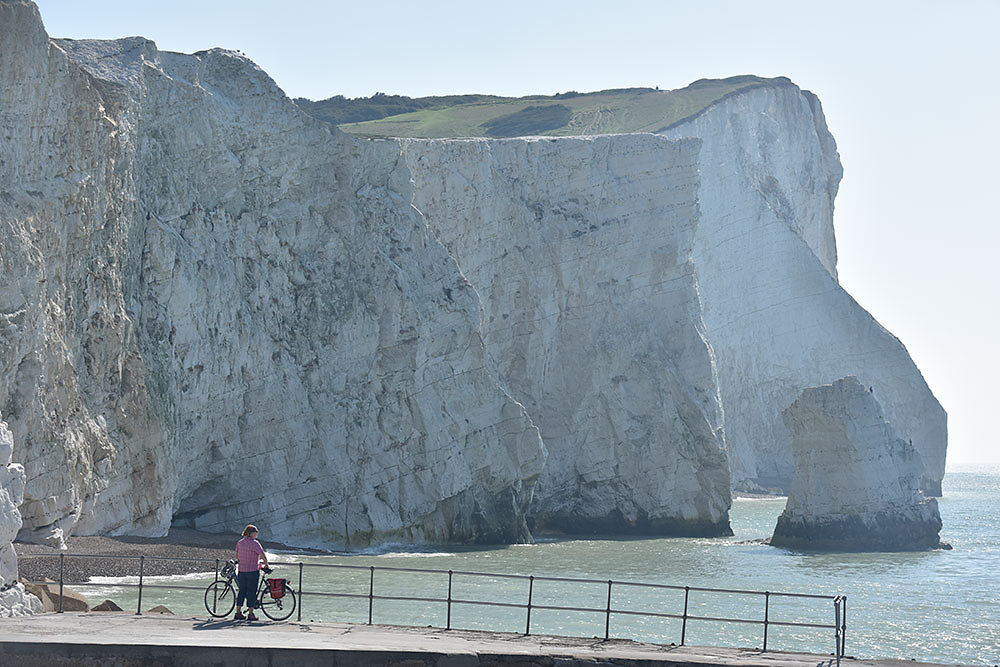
x=124 y=638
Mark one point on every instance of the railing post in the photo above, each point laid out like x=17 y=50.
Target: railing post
x=531 y=589
x=62 y=557
x=138 y=607
x=215 y=589
x=767 y=606
x=607 y=617
x=843 y=627
x=371 y=594
x=448 y=626
x=301 y=594
x=684 y=622
x=836 y=628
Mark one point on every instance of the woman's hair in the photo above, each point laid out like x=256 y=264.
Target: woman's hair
x=249 y=529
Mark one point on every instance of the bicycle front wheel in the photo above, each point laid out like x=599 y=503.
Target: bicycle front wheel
x=220 y=598
x=280 y=609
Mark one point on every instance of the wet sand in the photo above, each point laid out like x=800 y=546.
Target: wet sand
x=36 y=561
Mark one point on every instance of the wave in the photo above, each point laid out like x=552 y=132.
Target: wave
x=134 y=579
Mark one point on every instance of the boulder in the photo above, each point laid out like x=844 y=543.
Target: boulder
x=107 y=605
x=48 y=593
x=159 y=609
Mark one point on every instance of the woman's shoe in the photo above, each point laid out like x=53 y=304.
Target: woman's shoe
x=239 y=616
x=251 y=616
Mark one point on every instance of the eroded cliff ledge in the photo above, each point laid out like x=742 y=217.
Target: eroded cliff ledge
x=217 y=309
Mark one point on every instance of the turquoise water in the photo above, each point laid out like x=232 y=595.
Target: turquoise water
x=940 y=606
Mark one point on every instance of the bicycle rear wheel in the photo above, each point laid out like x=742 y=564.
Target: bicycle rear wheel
x=220 y=598
x=280 y=609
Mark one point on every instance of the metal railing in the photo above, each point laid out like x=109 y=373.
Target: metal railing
x=839 y=602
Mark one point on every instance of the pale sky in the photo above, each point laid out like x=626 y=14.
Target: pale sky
x=909 y=90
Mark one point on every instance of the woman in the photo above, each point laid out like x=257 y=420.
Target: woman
x=250 y=555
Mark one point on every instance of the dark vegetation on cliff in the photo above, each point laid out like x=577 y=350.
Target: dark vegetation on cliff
x=622 y=110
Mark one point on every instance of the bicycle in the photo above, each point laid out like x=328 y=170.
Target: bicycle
x=220 y=596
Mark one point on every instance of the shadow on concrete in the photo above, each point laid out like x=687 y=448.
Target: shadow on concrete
x=218 y=624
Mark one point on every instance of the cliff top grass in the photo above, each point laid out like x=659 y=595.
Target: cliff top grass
x=617 y=111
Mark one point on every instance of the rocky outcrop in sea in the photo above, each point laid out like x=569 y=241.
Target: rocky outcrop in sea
x=857 y=483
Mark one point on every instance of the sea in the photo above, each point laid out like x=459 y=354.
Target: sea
x=935 y=606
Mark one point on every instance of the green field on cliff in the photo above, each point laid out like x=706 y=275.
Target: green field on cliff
x=566 y=114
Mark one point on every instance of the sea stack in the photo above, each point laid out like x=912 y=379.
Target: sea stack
x=856 y=483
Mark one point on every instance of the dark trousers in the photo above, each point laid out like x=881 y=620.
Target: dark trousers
x=247 y=582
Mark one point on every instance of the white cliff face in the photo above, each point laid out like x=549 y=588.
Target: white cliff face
x=580 y=250
x=72 y=383
x=14 y=601
x=226 y=312
x=216 y=310
x=856 y=483
x=774 y=313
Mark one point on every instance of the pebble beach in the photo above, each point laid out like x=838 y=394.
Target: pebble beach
x=87 y=556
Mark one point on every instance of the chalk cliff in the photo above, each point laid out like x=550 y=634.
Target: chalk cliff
x=774 y=312
x=216 y=309
x=14 y=601
x=580 y=249
x=856 y=484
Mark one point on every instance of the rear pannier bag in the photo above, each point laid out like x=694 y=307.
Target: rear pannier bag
x=277 y=588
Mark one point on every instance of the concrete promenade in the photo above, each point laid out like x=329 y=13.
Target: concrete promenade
x=124 y=639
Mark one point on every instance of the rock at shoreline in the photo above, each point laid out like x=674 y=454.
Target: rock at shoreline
x=14 y=601
x=856 y=484
x=48 y=593
x=107 y=605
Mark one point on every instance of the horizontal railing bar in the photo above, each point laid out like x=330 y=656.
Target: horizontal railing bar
x=403 y=598
x=644 y=613
x=71 y=583
x=128 y=557
x=381 y=568
x=726 y=620
x=805 y=595
x=553 y=608
x=794 y=624
x=573 y=581
x=178 y=587
x=95 y=584
x=772 y=593
x=488 y=603
x=645 y=585
x=332 y=595
x=338 y=566
x=487 y=574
